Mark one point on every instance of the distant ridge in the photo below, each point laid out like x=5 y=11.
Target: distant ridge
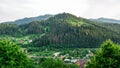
x=107 y=20
x=28 y=20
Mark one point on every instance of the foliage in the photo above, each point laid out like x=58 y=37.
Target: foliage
x=12 y=56
x=108 y=56
x=55 y=63
x=64 y=30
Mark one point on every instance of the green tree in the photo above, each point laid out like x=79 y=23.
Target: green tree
x=12 y=56
x=56 y=63
x=107 y=57
x=53 y=63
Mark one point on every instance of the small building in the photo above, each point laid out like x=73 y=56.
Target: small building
x=80 y=63
x=73 y=60
x=56 y=54
x=30 y=41
x=62 y=57
x=67 y=60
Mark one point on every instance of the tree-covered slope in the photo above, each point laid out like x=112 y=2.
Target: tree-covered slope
x=107 y=20
x=65 y=30
x=28 y=20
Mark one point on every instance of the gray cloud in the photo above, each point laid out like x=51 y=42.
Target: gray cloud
x=103 y=8
x=12 y=9
x=16 y=9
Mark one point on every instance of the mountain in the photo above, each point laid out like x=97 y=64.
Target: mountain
x=28 y=20
x=107 y=20
x=64 y=31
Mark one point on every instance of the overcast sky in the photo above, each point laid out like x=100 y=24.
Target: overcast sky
x=15 y=9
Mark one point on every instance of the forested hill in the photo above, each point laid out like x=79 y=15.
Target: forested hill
x=107 y=20
x=28 y=20
x=64 y=31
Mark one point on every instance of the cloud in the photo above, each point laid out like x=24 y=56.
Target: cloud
x=16 y=9
x=103 y=8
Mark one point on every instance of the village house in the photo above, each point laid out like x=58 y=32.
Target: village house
x=80 y=63
x=56 y=54
x=73 y=60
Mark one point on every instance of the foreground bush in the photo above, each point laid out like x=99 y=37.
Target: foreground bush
x=12 y=56
x=107 y=57
x=55 y=63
